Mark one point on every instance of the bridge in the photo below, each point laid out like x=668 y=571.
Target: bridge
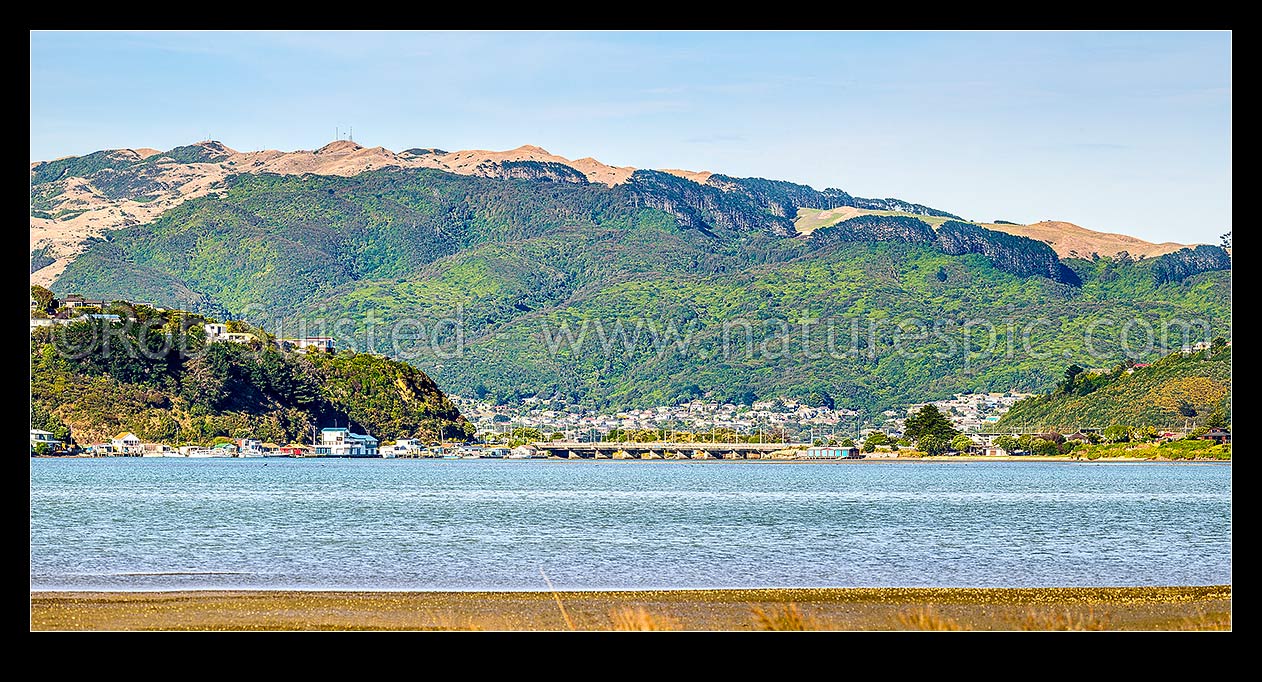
x=660 y=450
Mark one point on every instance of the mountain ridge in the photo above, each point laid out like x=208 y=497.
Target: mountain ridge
x=78 y=198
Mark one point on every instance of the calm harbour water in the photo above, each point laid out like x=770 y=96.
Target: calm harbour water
x=128 y=524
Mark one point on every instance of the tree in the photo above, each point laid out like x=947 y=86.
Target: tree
x=1043 y=446
x=961 y=443
x=1225 y=240
x=43 y=449
x=44 y=300
x=929 y=421
x=877 y=438
x=1187 y=409
x=1071 y=375
x=818 y=398
x=1008 y=443
x=869 y=446
x=1117 y=433
x=933 y=444
x=1216 y=419
x=557 y=435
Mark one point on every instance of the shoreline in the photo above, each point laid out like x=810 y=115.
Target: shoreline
x=872 y=460
x=864 y=608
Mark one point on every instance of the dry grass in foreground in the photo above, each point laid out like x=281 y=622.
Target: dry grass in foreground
x=786 y=617
x=929 y=609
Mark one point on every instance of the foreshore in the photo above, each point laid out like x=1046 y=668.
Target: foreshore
x=1062 y=608
x=871 y=460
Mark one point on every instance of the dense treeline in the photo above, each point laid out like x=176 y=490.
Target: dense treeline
x=783 y=198
x=875 y=228
x=1178 y=266
x=1021 y=256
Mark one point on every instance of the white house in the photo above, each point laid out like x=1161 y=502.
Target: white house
x=409 y=447
x=214 y=330
x=309 y=344
x=340 y=442
x=994 y=451
x=158 y=450
x=250 y=447
x=127 y=445
x=44 y=437
x=218 y=331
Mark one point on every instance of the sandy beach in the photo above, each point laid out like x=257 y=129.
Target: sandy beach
x=1104 y=608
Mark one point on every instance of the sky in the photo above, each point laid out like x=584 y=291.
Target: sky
x=1118 y=132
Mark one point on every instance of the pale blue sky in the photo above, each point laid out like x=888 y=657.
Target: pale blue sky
x=1122 y=132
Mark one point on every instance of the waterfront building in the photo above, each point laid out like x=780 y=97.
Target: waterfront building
x=127 y=445
x=45 y=437
x=832 y=452
x=340 y=442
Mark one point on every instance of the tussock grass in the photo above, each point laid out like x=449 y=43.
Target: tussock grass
x=926 y=618
x=786 y=617
x=638 y=619
x=1218 y=620
x=1065 y=620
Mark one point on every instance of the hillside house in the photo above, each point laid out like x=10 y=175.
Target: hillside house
x=309 y=344
x=77 y=301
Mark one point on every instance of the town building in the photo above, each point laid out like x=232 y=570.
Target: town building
x=340 y=442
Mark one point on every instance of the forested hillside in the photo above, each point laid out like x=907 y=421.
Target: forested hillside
x=158 y=378
x=489 y=281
